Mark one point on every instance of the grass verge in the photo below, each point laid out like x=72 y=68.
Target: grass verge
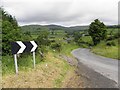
x=106 y=51
x=67 y=48
x=49 y=73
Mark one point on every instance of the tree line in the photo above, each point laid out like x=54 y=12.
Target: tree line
x=11 y=32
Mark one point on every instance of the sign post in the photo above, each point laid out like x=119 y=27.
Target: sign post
x=33 y=50
x=20 y=47
x=34 y=59
x=16 y=66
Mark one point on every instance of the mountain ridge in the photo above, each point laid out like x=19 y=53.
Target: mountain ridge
x=36 y=27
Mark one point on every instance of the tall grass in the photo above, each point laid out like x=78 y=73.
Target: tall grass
x=107 y=51
x=67 y=48
x=25 y=62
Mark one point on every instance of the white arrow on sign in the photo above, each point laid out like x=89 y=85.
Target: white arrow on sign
x=34 y=46
x=22 y=47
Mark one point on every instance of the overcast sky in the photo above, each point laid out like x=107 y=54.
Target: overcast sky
x=62 y=12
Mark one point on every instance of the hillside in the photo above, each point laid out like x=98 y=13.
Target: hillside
x=36 y=28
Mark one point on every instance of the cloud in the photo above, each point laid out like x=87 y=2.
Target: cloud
x=64 y=12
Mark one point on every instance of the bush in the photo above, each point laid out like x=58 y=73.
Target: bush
x=42 y=39
x=110 y=38
x=110 y=43
x=116 y=35
x=56 y=46
x=52 y=40
x=83 y=45
x=10 y=32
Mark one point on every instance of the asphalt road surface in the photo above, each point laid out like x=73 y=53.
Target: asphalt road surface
x=101 y=72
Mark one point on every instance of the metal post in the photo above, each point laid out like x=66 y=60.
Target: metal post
x=34 y=59
x=16 y=66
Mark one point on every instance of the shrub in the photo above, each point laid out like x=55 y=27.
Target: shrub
x=52 y=40
x=110 y=38
x=56 y=46
x=110 y=43
x=42 y=39
x=10 y=32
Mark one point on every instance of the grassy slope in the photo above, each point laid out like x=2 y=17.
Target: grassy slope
x=51 y=72
x=48 y=73
x=67 y=48
x=107 y=51
x=102 y=49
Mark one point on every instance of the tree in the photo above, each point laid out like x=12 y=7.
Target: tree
x=97 y=30
x=26 y=36
x=42 y=39
x=10 y=32
x=77 y=35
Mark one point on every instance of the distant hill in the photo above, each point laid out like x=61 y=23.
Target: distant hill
x=113 y=26
x=55 y=27
x=37 y=28
x=79 y=27
x=33 y=28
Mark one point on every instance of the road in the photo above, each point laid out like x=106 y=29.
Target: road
x=103 y=71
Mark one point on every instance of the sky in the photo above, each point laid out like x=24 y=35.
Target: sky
x=62 y=12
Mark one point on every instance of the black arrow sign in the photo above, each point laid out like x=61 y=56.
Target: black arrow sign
x=28 y=45
x=20 y=47
x=17 y=47
x=14 y=47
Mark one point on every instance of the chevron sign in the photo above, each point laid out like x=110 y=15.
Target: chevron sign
x=20 y=47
